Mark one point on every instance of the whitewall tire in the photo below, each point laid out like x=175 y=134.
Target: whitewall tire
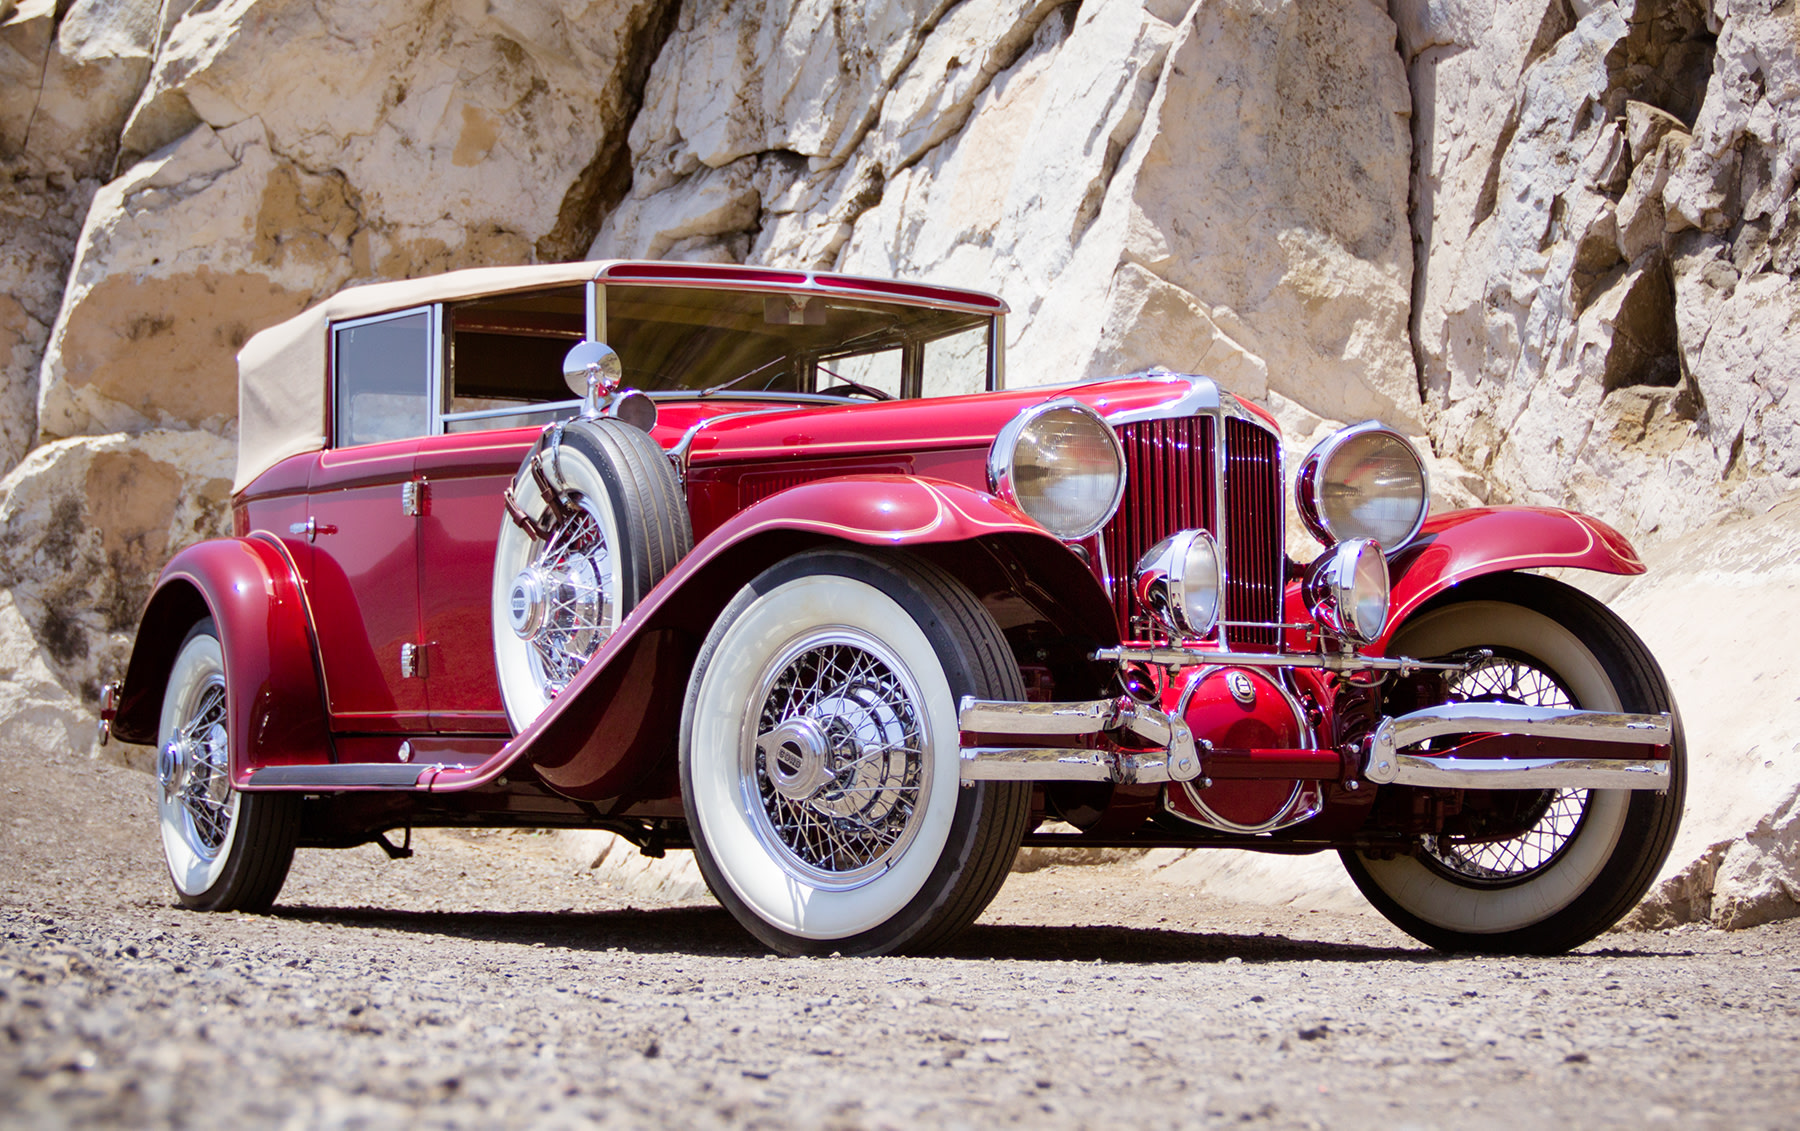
x=226 y=850
x=820 y=767
x=1583 y=857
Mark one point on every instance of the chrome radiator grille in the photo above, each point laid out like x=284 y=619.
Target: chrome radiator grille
x=1171 y=484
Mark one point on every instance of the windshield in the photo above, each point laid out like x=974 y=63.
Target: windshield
x=687 y=339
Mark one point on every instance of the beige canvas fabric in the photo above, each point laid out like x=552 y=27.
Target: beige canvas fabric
x=283 y=401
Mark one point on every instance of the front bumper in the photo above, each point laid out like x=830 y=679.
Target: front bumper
x=1584 y=744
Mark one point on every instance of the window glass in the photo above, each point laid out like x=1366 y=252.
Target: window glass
x=845 y=375
x=383 y=372
x=957 y=363
x=694 y=338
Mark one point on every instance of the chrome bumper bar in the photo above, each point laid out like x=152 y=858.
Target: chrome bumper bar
x=1386 y=765
x=1177 y=760
x=1179 y=756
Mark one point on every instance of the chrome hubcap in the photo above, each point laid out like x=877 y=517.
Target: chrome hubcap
x=525 y=603
x=560 y=603
x=837 y=766
x=194 y=769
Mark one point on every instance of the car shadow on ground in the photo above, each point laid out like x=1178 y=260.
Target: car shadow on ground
x=711 y=931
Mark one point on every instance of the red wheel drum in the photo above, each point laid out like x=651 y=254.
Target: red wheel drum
x=1240 y=709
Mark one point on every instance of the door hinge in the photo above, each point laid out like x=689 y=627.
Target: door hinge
x=412 y=661
x=412 y=497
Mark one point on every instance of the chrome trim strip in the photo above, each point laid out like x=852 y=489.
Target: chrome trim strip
x=1328 y=661
x=1530 y=773
x=1005 y=763
x=1177 y=760
x=1385 y=764
x=1001 y=716
x=1002 y=763
x=1201 y=399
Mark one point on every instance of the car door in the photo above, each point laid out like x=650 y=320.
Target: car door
x=363 y=525
x=462 y=478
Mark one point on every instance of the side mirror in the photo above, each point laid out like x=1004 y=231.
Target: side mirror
x=592 y=366
x=594 y=372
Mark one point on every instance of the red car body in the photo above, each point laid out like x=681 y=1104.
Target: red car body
x=345 y=559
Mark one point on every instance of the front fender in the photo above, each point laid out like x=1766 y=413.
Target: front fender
x=612 y=723
x=275 y=706
x=1460 y=545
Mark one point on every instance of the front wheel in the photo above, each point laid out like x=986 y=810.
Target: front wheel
x=226 y=850
x=820 y=765
x=1552 y=868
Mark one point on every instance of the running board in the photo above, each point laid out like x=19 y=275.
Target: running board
x=329 y=779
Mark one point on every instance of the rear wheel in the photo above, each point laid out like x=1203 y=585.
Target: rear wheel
x=1555 y=867
x=820 y=763
x=226 y=850
x=600 y=520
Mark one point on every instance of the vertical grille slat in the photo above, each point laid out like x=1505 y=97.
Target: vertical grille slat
x=1171 y=485
x=1253 y=557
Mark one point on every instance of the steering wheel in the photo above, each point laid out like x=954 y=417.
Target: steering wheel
x=852 y=388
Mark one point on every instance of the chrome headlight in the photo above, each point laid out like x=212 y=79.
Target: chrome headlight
x=1060 y=463
x=1364 y=481
x=1346 y=588
x=1179 y=582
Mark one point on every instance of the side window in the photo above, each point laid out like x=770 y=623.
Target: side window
x=382 y=368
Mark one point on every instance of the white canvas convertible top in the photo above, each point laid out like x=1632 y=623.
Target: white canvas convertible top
x=284 y=400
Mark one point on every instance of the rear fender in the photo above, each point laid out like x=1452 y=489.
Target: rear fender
x=276 y=709
x=601 y=736
x=1454 y=547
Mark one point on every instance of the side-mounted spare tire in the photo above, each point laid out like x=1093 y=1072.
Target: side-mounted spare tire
x=595 y=518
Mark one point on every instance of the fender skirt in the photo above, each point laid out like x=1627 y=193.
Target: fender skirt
x=249 y=587
x=617 y=718
x=1460 y=545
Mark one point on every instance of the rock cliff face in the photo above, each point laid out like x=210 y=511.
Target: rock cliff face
x=1557 y=239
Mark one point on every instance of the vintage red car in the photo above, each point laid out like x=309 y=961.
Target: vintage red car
x=777 y=565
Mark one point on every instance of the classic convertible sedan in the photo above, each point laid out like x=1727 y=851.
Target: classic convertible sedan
x=779 y=566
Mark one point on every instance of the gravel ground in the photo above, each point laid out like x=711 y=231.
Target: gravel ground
x=489 y=982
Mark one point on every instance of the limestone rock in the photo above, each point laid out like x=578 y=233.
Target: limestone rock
x=34 y=707
x=40 y=219
x=85 y=525
x=617 y=863
x=1704 y=609
x=67 y=84
x=289 y=147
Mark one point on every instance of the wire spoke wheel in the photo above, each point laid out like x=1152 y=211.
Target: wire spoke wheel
x=837 y=761
x=226 y=850
x=1553 y=817
x=577 y=611
x=594 y=519
x=820 y=762
x=1529 y=871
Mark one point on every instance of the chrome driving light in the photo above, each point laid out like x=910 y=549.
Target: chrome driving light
x=1060 y=463
x=1180 y=584
x=1364 y=481
x=1346 y=588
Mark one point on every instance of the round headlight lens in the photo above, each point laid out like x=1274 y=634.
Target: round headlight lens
x=1062 y=465
x=1178 y=582
x=1365 y=481
x=1347 y=590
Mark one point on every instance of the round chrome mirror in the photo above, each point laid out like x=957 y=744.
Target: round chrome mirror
x=592 y=357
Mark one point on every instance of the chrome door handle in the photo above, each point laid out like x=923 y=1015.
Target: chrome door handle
x=311 y=528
